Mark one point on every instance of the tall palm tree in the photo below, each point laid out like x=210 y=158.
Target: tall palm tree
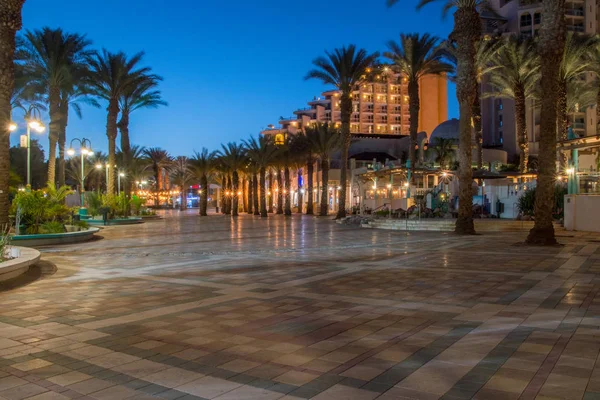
x=203 y=163
x=343 y=68
x=304 y=157
x=234 y=155
x=111 y=74
x=578 y=58
x=325 y=139
x=10 y=13
x=443 y=151
x=467 y=32
x=485 y=51
x=141 y=93
x=181 y=175
x=551 y=46
x=416 y=56
x=261 y=152
x=516 y=77
x=54 y=61
x=159 y=161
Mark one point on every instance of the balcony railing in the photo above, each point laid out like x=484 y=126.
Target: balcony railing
x=575 y=12
x=576 y=28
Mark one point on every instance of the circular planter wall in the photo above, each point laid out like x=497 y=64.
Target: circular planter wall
x=54 y=238
x=24 y=258
x=122 y=221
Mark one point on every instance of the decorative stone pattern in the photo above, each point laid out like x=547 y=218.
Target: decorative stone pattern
x=303 y=308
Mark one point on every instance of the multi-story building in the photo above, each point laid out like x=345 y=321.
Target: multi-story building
x=524 y=18
x=380 y=109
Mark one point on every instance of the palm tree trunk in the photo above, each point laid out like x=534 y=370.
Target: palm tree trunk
x=551 y=47
x=111 y=133
x=279 y=192
x=467 y=31
x=250 y=196
x=271 y=185
x=255 y=194
x=62 y=142
x=223 y=195
x=203 y=196
x=477 y=126
x=562 y=121
x=230 y=197
x=287 y=195
x=413 y=107
x=125 y=145
x=300 y=196
x=53 y=132
x=235 y=196
x=10 y=14
x=309 y=187
x=346 y=112
x=244 y=198
x=521 y=129
x=263 y=197
x=325 y=187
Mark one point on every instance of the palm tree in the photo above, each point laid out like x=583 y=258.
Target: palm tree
x=159 y=162
x=443 y=151
x=141 y=93
x=234 y=155
x=54 y=61
x=516 y=77
x=343 y=68
x=10 y=13
x=304 y=157
x=181 y=175
x=111 y=74
x=325 y=139
x=261 y=152
x=551 y=46
x=204 y=164
x=578 y=58
x=486 y=50
x=416 y=56
x=467 y=32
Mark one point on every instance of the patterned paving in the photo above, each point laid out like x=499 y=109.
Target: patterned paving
x=302 y=308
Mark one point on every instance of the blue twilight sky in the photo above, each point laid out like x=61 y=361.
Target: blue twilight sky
x=230 y=68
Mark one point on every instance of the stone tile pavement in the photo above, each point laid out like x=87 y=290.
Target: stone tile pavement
x=303 y=308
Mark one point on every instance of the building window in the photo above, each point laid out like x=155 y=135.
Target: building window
x=369 y=118
x=500 y=121
x=500 y=137
x=370 y=107
x=356 y=97
x=500 y=105
x=537 y=18
x=384 y=109
x=398 y=120
x=384 y=119
x=525 y=20
x=279 y=139
x=355 y=108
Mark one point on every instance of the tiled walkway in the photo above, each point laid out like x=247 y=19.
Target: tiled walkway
x=298 y=308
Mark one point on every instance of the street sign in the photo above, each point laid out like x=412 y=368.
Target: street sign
x=24 y=141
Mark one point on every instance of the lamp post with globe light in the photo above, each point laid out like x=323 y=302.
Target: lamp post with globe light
x=33 y=120
x=85 y=149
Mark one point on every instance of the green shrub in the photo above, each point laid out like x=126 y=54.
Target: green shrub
x=136 y=204
x=40 y=206
x=526 y=203
x=4 y=243
x=83 y=225
x=52 y=227
x=94 y=202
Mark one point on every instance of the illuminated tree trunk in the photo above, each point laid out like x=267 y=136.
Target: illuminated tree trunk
x=325 y=187
x=346 y=112
x=255 y=194
x=279 y=192
x=551 y=47
x=309 y=187
x=270 y=194
x=263 y=197
x=521 y=128
x=287 y=195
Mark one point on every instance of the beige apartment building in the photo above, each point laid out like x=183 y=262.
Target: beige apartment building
x=380 y=109
x=498 y=118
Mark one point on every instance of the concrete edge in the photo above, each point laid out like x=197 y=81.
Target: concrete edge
x=17 y=266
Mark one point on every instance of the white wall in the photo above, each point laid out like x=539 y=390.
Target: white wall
x=581 y=212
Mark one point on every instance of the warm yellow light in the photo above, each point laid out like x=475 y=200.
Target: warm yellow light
x=71 y=152
x=144 y=182
x=374 y=186
x=405 y=184
x=40 y=128
x=12 y=127
x=239 y=193
x=444 y=174
x=389 y=185
x=34 y=124
x=570 y=171
x=98 y=166
x=121 y=174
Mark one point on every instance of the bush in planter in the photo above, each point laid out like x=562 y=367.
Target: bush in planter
x=136 y=204
x=116 y=206
x=41 y=206
x=526 y=203
x=4 y=243
x=52 y=227
x=94 y=202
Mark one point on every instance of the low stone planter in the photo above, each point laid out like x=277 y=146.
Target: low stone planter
x=47 y=239
x=150 y=217
x=120 y=221
x=23 y=258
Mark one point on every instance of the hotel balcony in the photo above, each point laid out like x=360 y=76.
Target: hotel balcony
x=305 y=111
x=575 y=12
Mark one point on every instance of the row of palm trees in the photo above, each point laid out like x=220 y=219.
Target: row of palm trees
x=254 y=172
x=60 y=71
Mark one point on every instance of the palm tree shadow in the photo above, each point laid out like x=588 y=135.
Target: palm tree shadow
x=41 y=270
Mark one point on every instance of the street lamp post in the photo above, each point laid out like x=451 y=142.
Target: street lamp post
x=33 y=118
x=85 y=149
x=121 y=174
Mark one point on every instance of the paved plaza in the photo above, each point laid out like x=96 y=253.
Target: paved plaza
x=303 y=308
